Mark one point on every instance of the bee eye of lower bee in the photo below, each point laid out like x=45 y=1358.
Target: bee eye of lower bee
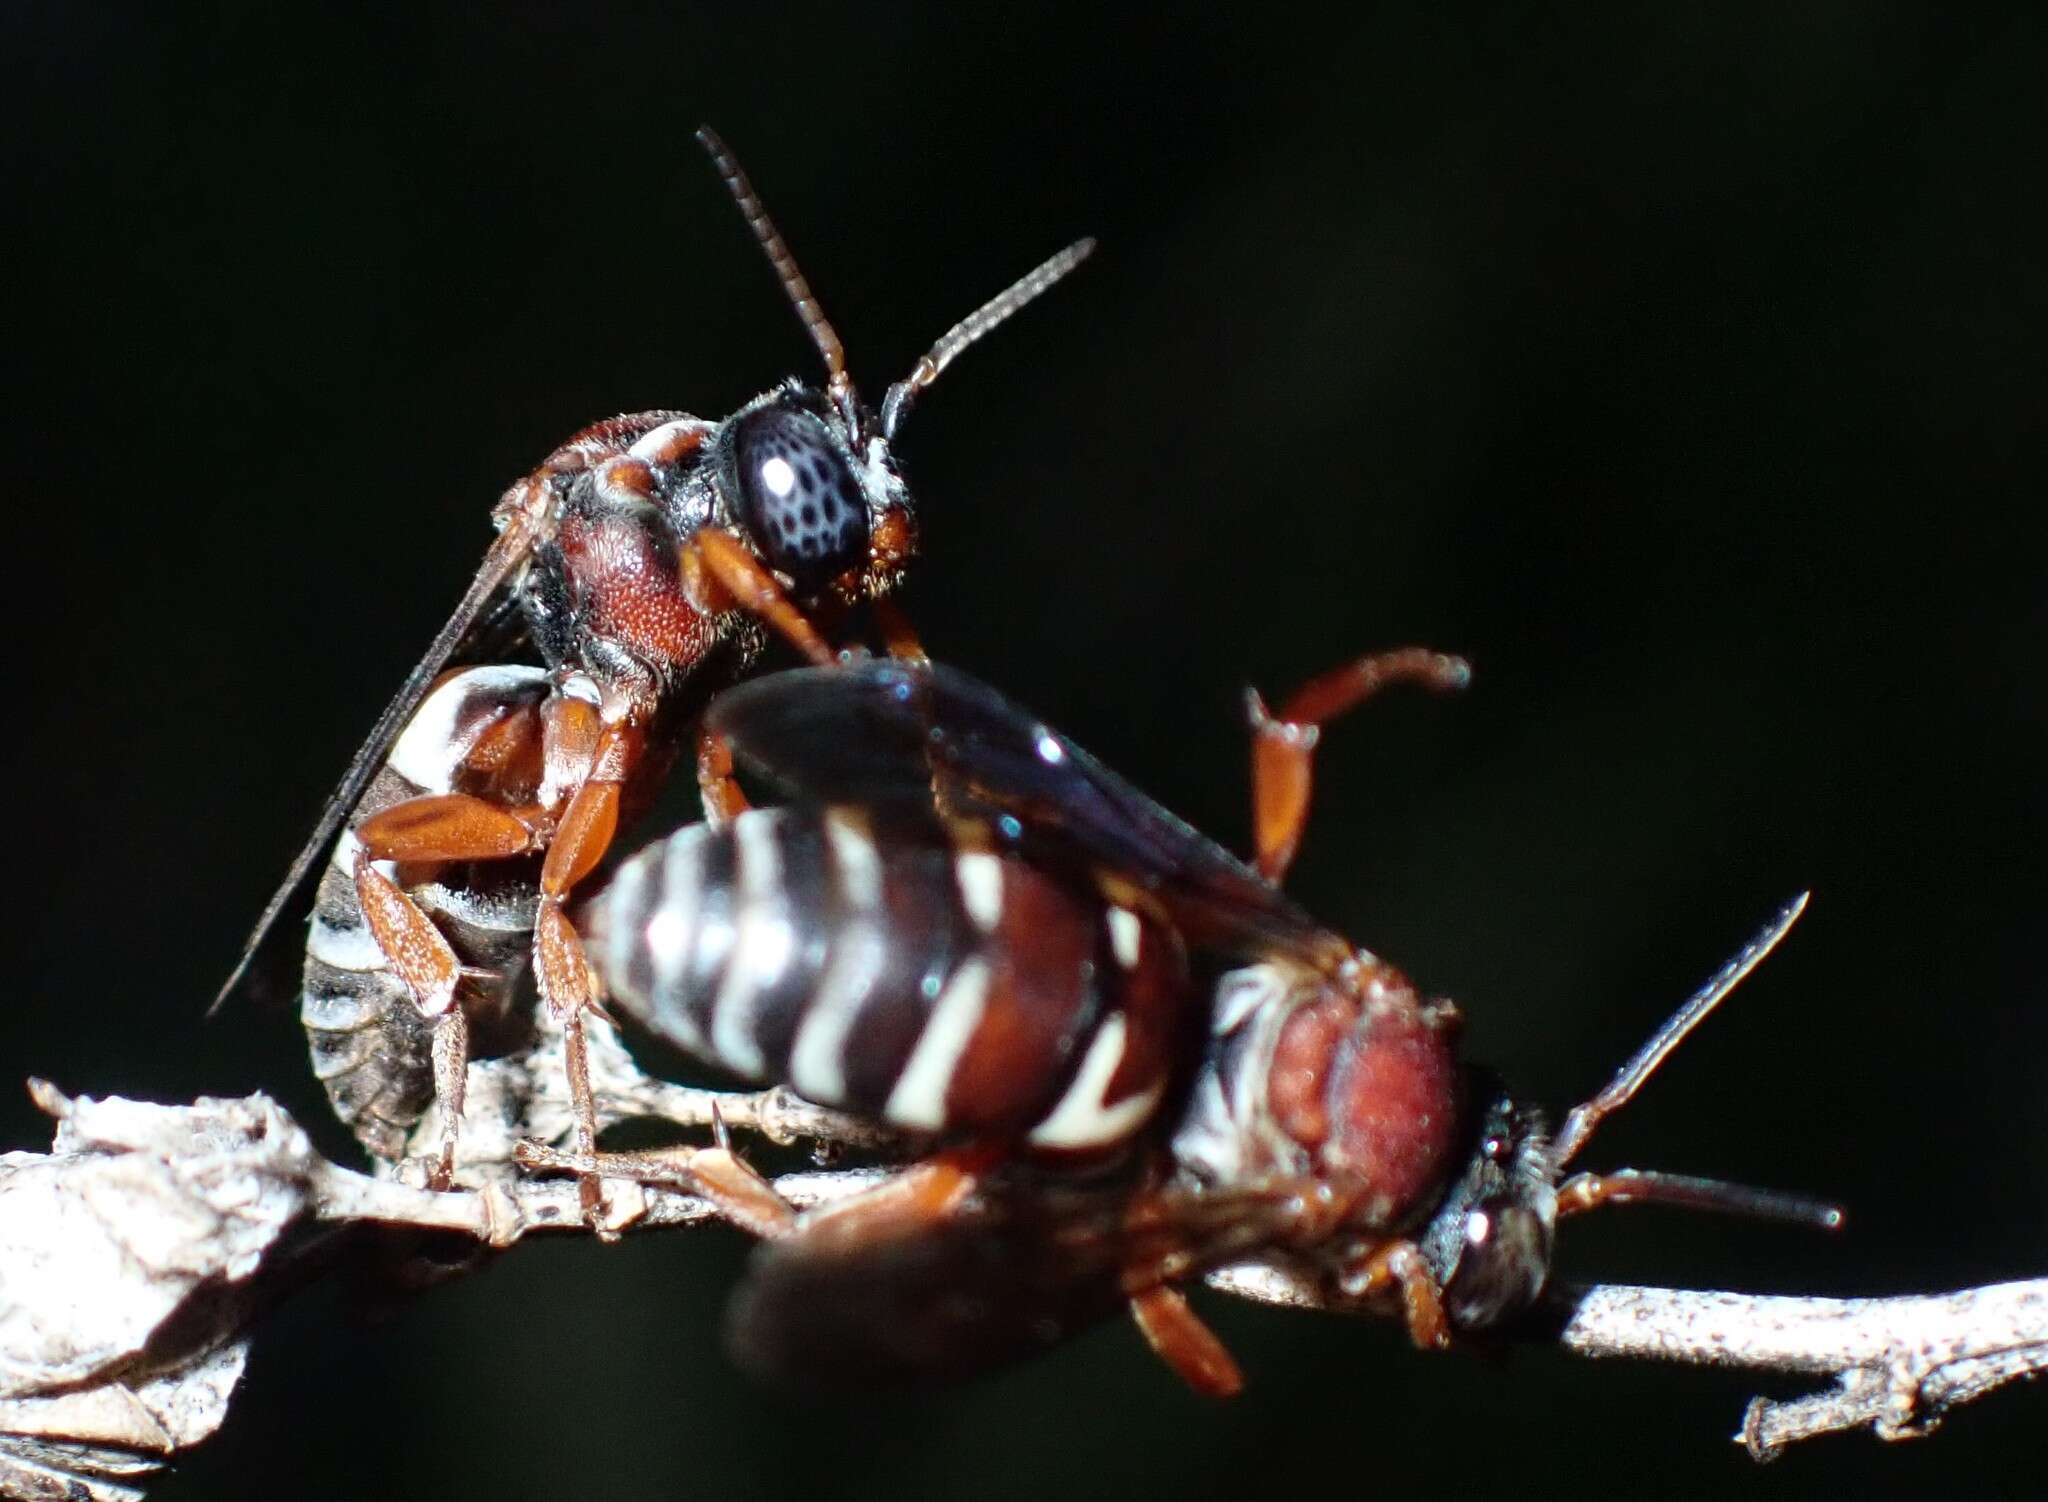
x=796 y=495
x=1501 y=1265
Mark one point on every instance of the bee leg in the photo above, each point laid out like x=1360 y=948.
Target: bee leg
x=920 y=1194
x=917 y=1196
x=589 y=821
x=732 y=1185
x=742 y=1195
x=423 y=961
x=1284 y=743
x=436 y=828
x=899 y=637
x=419 y=956
x=720 y=790
x=720 y=575
x=447 y=827
x=451 y=1081
x=1178 y=1337
x=563 y=975
x=1399 y=1266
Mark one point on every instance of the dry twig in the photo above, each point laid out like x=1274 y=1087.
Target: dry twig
x=1899 y=1364
x=138 y=1253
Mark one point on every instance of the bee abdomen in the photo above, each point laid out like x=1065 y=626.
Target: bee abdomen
x=904 y=972
x=372 y=1050
x=371 y=1047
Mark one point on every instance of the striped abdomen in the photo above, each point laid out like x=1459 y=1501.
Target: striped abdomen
x=890 y=971
x=372 y=1049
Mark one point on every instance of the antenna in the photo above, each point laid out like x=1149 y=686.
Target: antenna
x=1633 y=1186
x=983 y=320
x=777 y=250
x=1636 y=1186
x=1584 y=1119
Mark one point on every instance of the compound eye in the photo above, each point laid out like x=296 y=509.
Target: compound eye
x=1502 y=1266
x=797 y=496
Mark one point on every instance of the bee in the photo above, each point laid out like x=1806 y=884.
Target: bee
x=644 y=564
x=1131 y=1056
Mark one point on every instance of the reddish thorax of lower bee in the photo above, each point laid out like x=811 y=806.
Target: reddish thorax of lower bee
x=1366 y=1079
x=1348 y=1082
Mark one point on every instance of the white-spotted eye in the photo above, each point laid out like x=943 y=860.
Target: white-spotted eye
x=796 y=495
x=1501 y=1267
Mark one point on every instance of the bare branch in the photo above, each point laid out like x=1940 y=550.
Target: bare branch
x=136 y=1256
x=1899 y=1364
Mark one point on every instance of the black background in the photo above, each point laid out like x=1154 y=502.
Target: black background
x=1682 y=368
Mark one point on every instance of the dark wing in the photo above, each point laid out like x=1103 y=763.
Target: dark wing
x=884 y=731
x=481 y=610
x=1025 y=1268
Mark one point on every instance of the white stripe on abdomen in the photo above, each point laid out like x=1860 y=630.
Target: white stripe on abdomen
x=919 y=1099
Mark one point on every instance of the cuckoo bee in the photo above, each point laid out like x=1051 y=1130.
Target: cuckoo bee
x=1133 y=1056
x=646 y=563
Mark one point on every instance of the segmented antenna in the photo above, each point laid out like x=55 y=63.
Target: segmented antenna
x=1637 y=1186
x=1580 y=1124
x=1633 y=1186
x=970 y=329
x=777 y=250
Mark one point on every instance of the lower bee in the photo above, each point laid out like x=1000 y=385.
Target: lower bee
x=1129 y=1055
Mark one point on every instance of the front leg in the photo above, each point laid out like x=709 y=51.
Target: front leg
x=720 y=575
x=1398 y=1267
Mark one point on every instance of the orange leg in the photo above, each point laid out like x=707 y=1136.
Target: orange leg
x=418 y=955
x=563 y=976
x=435 y=828
x=723 y=800
x=717 y=1174
x=1283 y=744
x=588 y=823
x=451 y=1085
x=444 y=827
x=720 y=575
x=422 y=960
x=571 y=728
x=924 y=1193
x=1399 y=1266
x=1180 y=1339
x=898 y=635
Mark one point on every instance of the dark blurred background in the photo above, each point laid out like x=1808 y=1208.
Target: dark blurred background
x=1681 y=367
